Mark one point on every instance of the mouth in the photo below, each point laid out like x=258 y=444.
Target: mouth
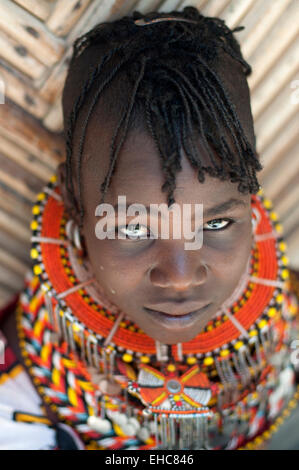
x=176 y=320
x=177 y=309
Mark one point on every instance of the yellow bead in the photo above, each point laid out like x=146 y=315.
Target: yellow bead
x=76 y=327
x=127 y=357
x=35 y=210
x=53 y=178
x=41 y=196
x=34 y=225
x=176 y=397
x=267 y=203
x=122 y=324
x=285 y=274
x=144 y=359
x=224 y=352
x=34 y=253
x=279 y=298
x=285 y=260
x=273 y=216
x=272 y=312
x=262 y=323
x=278 y=228
x=171 y=368
x=208 y=361
x=37 y=269
x=118 y=430
x=282 y=246
x=238 y=345
x=191 y=360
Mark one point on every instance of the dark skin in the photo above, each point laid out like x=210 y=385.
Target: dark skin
x=151 y=271
x=156 y=270
x=146 y=272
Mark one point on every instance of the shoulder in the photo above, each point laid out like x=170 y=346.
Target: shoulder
x=22 y=421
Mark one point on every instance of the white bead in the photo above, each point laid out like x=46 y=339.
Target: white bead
x=128 y=430
x=118 y=418
x=143 y=434
x=98 y=424
x=152 y=426
x=134 y=422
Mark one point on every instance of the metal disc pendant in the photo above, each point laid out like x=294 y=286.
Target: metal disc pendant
x=109 y=387
x=95 y=375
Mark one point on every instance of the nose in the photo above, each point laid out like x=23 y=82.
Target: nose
x=179 y=270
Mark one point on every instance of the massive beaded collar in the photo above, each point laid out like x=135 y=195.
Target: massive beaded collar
x=118 y=388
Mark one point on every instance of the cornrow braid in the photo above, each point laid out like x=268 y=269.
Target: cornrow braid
x=169 y=68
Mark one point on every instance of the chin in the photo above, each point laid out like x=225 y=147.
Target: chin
x=174 y=339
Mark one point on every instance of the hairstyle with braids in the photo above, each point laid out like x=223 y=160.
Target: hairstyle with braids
x=172 y=87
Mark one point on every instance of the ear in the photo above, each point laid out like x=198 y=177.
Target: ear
x=70 y=206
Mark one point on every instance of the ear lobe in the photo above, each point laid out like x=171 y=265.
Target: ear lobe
x=70 y=208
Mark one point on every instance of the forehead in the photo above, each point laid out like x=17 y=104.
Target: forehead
x=139 y=171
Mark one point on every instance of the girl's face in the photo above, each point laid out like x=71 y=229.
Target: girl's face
x=160 y=274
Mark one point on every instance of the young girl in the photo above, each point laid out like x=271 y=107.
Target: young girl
x=134 y=341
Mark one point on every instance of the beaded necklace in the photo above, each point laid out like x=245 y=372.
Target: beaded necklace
x=118 y=388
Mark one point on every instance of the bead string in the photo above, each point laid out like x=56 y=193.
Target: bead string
x=63 y=294
x=220 y=356
x=57 y=241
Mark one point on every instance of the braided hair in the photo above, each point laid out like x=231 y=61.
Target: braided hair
x=171 y=71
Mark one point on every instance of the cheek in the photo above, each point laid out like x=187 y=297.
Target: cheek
x=111 y=270
x=228 y=261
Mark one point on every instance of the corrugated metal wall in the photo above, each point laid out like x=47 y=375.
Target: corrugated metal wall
x=35 y=44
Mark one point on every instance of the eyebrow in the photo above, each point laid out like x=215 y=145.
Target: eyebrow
x=224 y=206
x=211 y=211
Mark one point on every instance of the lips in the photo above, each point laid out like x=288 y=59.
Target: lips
x=174 y=310
x=176 y=322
